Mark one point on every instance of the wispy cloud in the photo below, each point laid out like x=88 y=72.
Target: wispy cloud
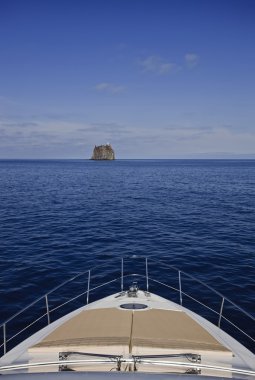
x=109 y=87
x=19 y=124
x=160 y=66
x=58 y=139
x=191 y=60
x=157 y=65
x=102 y=129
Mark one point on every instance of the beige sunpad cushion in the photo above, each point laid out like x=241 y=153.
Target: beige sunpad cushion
x=166 y=329
x=171 y=329
x=92 y=327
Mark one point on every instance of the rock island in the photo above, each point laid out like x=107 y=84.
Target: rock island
x=103 y=152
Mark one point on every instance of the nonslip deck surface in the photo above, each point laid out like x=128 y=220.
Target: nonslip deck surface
x=115 y=327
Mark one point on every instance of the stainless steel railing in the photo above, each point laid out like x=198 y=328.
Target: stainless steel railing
x=131 y=361
x=149 y=281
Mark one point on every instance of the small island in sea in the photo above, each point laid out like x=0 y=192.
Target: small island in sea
x=103 y=152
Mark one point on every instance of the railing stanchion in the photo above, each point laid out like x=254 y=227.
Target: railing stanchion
x=221 y=310
x=180 y=287
x=147 y=277
x=4 y=336
x=88 y=287
x=122 y=270
x=47 y=308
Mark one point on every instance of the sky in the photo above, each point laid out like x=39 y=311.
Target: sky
x=154 y=78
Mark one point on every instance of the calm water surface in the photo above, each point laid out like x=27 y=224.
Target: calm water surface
x=61 y=217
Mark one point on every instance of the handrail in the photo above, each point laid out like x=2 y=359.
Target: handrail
x=128 y=257
x=209 y=308
x=121 y=278
x=207 y=286
x=134 y=360
x=50 y=292
x=63 y=304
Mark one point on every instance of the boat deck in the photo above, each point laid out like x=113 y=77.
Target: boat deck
x=133 y=330
x=105 y=328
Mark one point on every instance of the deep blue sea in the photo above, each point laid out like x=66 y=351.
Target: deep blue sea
x=61 y=217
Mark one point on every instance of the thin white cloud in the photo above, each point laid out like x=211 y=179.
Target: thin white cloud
x=22 y=124
x=191 y=59
x=60 y=138
x=109 y=87
x=157 y=65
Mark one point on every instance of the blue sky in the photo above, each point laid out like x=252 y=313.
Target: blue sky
x=156 y=79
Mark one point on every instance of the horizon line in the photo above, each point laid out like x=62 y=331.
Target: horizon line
x=129 y=159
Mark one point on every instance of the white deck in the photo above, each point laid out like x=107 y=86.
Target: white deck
x=162 y=328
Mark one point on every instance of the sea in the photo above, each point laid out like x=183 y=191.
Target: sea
x=190 y=218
